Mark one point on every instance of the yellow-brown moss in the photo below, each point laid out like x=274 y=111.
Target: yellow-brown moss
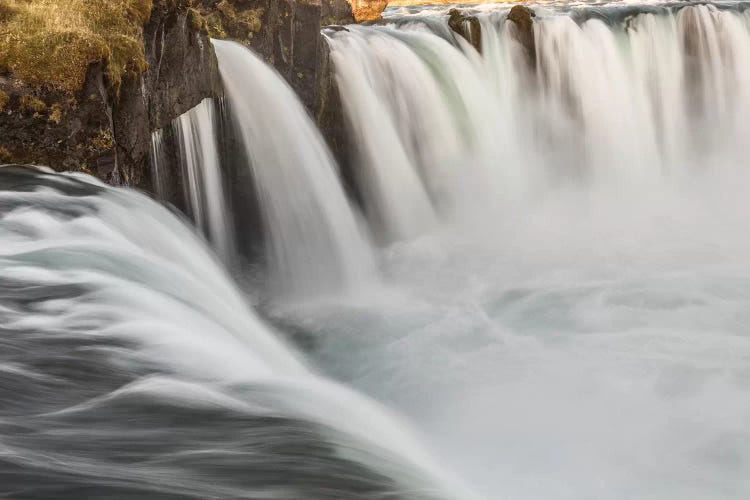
x=84 y=167
x=215 y=26
x=225 y=21
x=251 y=19
x=196 y=20
x=53 y=42
x=31 y=104
x=102 y=142
x=6 y=11
x=5 y=155
x=4 y=98
x=56 y=114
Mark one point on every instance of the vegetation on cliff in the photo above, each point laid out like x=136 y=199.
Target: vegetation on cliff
x=51 y=43
x=224 y=20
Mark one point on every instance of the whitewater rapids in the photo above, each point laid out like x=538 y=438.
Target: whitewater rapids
x=577 y=324
x=131 y=366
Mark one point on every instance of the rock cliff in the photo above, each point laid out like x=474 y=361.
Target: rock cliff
x=118 y=72
x=99 y=122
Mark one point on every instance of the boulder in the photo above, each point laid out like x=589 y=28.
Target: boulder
x=368 y=10
x=521 y=20
x=467 y=27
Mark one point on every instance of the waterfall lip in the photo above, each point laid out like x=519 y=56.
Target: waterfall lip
x=315 y=243
x=127 y=295
x=582 y=11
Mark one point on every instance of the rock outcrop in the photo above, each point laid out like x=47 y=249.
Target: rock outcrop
x=95 y=111
x=103 y=127
x=521 y=19
x=368 y=10
x=286 y=33
x=466 y=26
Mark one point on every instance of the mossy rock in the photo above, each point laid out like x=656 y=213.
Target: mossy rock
x=224 y=20
x=30 y=104
x=52 y=43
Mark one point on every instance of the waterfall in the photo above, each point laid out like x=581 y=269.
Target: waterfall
x=575 y=326
x=614 y=97
x=196 y=135
x=126 y=334
x=156 y=157
x=314 y=243
x=562 y=292
x=200 y=164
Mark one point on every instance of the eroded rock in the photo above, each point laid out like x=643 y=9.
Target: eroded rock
x=368 y=10
x=466 y=26
x=105 y=129
x=521 y=19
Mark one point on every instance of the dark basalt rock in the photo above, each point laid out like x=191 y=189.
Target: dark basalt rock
x=331 y=120
x=336 y=12
x=286 y=33
x=467 y=27
x=56 y=129
x=106 y=131
x=521 y=19
x=182 y=72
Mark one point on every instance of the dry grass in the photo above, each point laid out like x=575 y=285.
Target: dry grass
x=53 y=42
x=31 y=104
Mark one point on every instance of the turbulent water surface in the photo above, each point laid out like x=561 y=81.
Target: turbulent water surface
x=577 y=326
x=555 y=303
x=131 y=367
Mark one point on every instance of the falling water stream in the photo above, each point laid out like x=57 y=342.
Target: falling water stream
x=576 y=327
x=132 y=367
x=548 y=284
x=315 y=242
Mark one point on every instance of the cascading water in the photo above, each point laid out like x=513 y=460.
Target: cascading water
x=196 y=134
x=157 y=164
x=565 y=285
x=575 y=327
x=315 y=243
x=200 y=163
x=625 y=100
x=131 y=367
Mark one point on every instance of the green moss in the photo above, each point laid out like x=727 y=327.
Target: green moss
x=53 y=42
x=4 y=98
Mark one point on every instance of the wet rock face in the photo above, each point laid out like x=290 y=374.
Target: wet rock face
x=330 y=118
x=286 y=33
x=105 y=130
x=467 y=27
x=182 y=72
x=521 y=19
x=56 y=129
x=336 y=12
